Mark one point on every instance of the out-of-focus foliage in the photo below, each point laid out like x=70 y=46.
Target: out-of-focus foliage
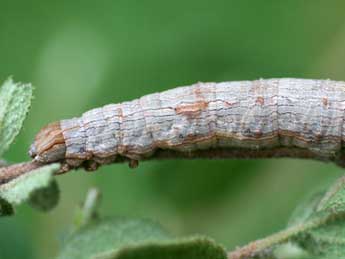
x=124 y=238
x=83 y=55
x=93 y=236
x=315 y=230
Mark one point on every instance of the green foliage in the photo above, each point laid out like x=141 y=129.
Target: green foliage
x=45 y=198
x=327 y=241
x=15 y=100
x=290 y=251
x=316 y=230
x=306 y=208
x=123 y=238
x=37 y=185
x=129 y=238
x=184 y=248
x=334 y=199
x=319 y=223
x=327 y=238
x=26 y=186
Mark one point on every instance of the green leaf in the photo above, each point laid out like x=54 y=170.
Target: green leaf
x=45 y=198
x=185 y=248
x=15 y=100
x=316 y=230
x=334 y=199
x=122 y=238
x=325 y=215
x=27 y=185
x=327 y=241
x=307 y=208
x=290 y=251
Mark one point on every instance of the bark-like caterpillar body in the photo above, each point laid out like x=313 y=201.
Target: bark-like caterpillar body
x=243 y=119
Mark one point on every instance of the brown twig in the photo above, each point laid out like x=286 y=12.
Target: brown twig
x=11 y=172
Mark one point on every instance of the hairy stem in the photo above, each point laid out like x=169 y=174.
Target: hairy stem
x=265 y=245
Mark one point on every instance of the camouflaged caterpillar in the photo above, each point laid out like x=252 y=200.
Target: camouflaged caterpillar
x=284 y=117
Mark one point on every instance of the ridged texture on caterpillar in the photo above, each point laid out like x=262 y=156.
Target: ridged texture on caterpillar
x=262 y=115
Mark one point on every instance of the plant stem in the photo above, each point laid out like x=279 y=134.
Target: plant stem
x=266 y=244
x=8 y=173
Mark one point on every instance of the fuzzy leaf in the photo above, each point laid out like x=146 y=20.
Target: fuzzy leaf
x=334 y=199
x=327 y=241
x=23 y=187
x=306 y=208
x=185 y=248
x=122 y=238
x=290 y=251
x=15 y=100
x=326 y=238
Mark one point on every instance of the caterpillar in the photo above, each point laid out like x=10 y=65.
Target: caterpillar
x=280 y=117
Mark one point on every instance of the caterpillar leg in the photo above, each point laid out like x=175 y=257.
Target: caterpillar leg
x=90 y=165
x=64 y=168
x=133 y=163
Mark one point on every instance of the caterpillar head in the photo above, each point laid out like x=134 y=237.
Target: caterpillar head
x=49 y=145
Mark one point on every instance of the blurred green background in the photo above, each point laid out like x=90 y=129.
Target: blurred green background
x=84 y=54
